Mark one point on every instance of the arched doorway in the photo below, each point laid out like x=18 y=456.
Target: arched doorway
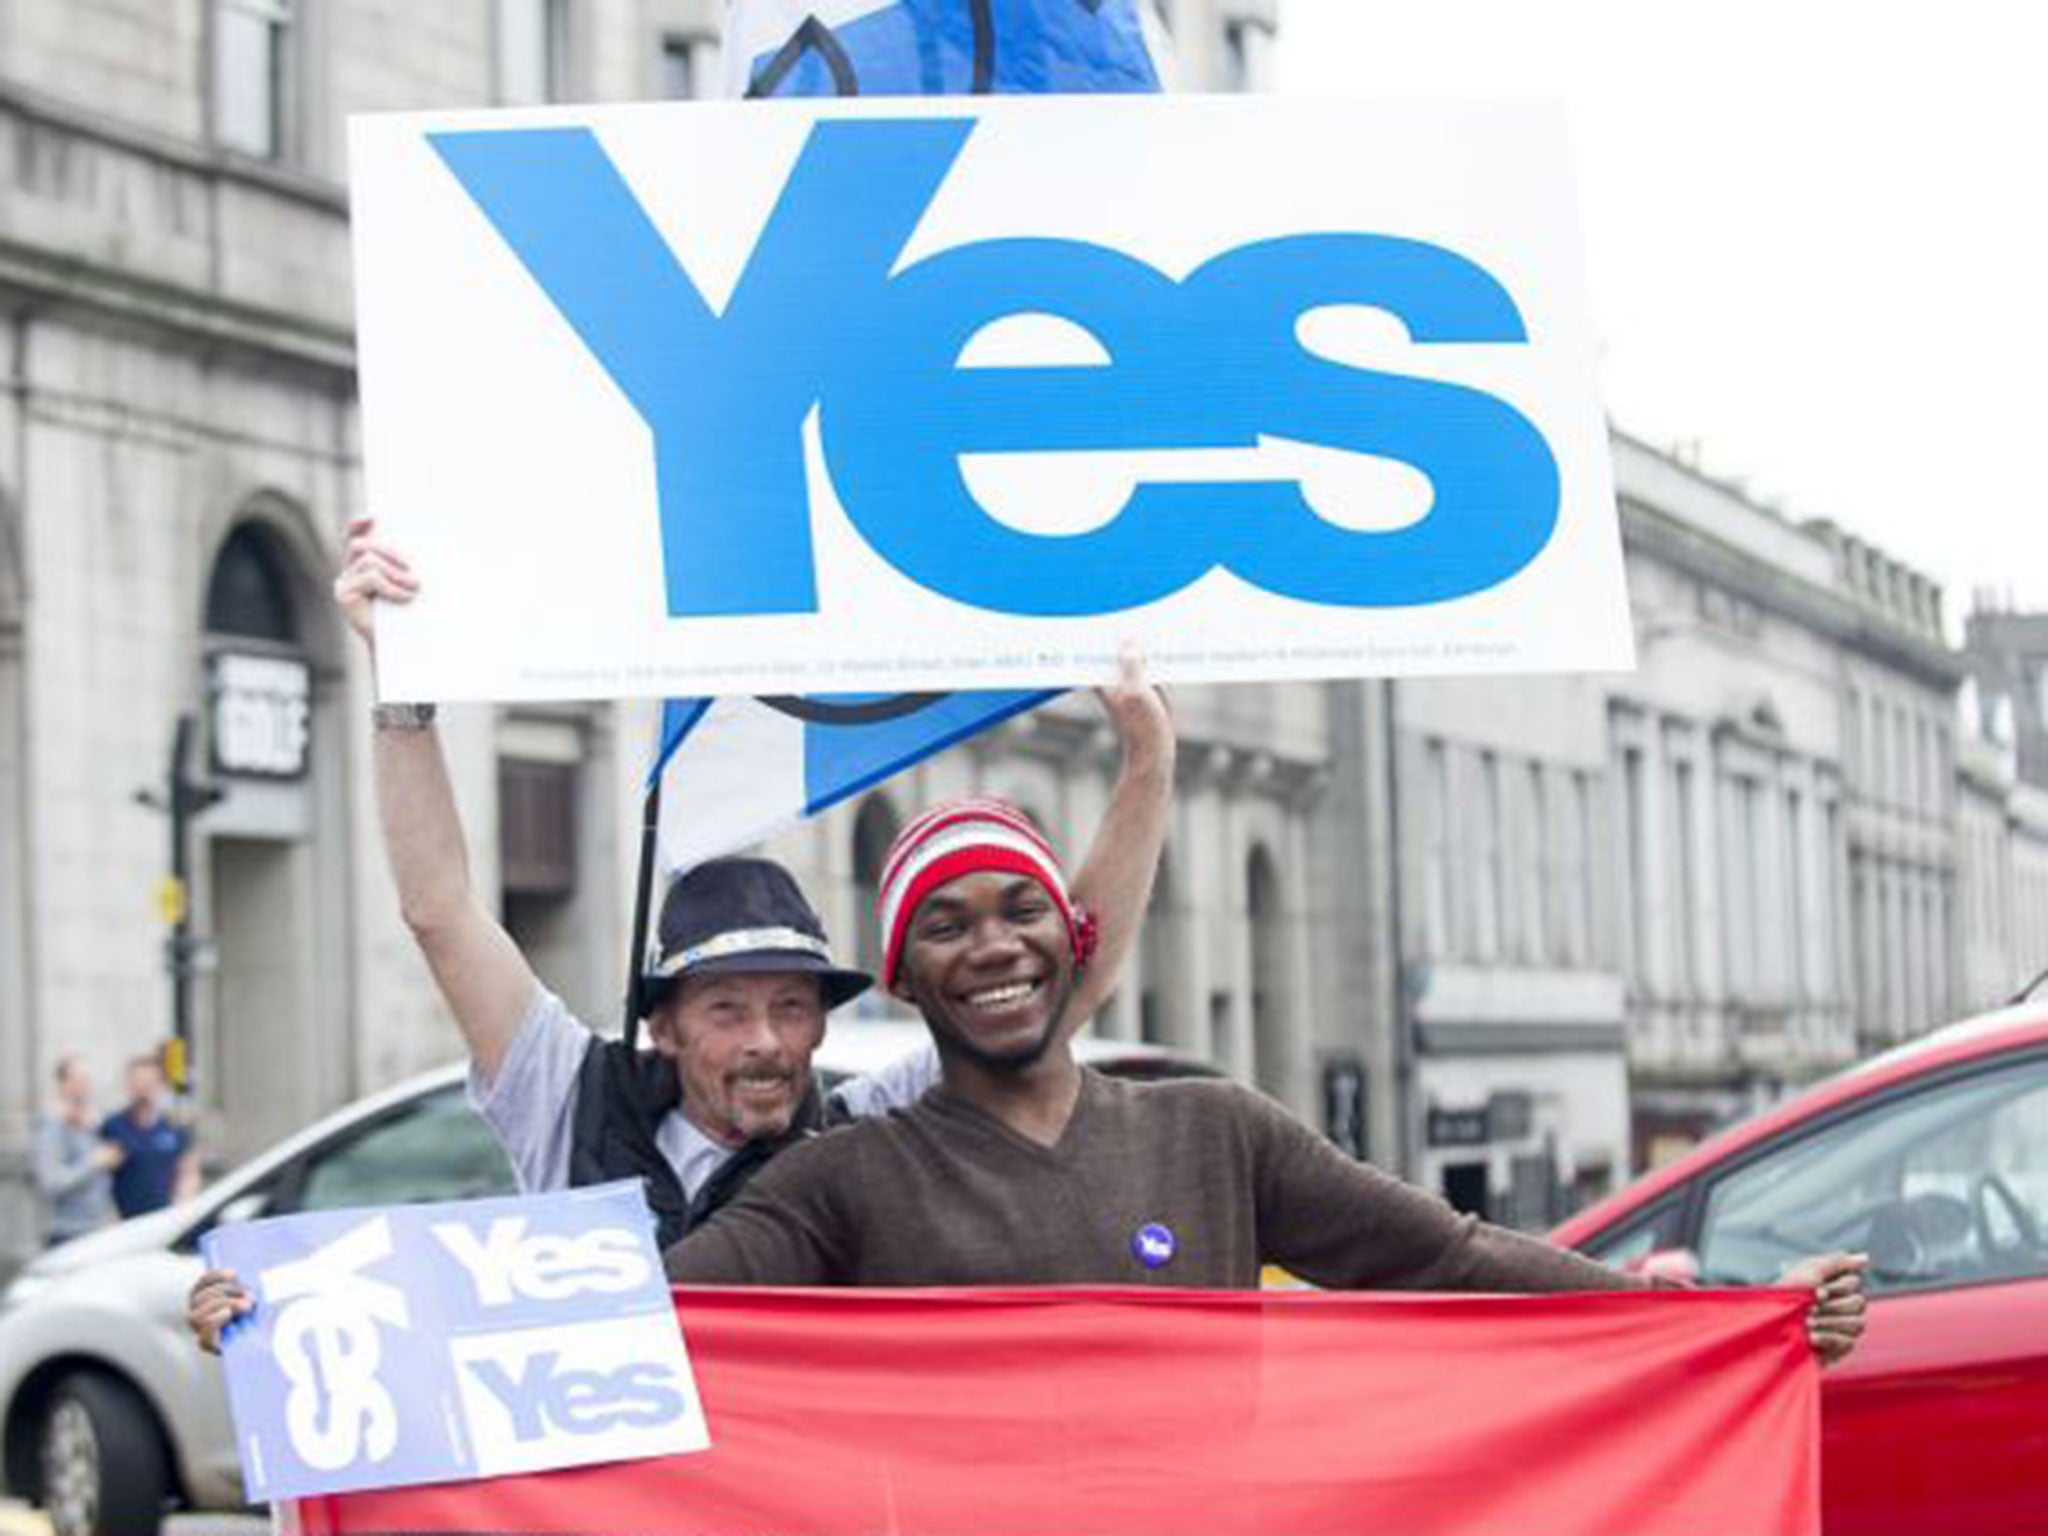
x=270 y=1046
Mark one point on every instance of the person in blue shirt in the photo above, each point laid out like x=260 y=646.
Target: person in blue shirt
x=159 y=1166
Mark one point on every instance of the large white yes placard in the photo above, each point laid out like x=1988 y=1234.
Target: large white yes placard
x=816 y=397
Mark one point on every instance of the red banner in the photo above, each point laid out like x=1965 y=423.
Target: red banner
x=1196 y=1413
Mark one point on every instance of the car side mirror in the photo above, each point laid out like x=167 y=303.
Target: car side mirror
x=1680 y=1264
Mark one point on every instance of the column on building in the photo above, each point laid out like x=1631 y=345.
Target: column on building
x=271 y=1005
x=25 y=1071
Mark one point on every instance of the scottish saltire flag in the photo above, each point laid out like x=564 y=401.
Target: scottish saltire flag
x=734 y=771
x=1200 y=1413
x=940 y=47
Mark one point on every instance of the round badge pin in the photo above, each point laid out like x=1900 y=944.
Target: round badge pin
x=1154 y=1244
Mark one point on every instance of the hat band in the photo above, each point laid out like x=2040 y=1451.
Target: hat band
x=743 y=941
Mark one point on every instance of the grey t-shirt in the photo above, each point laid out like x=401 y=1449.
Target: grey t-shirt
x=81 y=1194
x=531 y=1104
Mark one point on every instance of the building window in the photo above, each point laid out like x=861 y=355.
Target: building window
x=1247 y=56
x=1909 y=761
x=1268 y=973
x=689 y=66
x=1745 y=891
x=1886 y=951
x=1941 y=918
x=1903 y=791
x=533 y=52
x=1863 y=928
x=1533 y=872
x=1796 y=924
x=1486 y=881
x=1159 y=1006
x=250 y=594
x=1578 y=873
x=1436 y=864
x=1935 y=758
x=1827 y=904
x=251 y=75
x=1635 y=853
x=1685 y=905
x=537 y=828
x=1852 y=735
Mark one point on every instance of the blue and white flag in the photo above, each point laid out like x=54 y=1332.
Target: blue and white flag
x=735 y=771
x=941 y=47
x=468 y=1339
x=740 y=770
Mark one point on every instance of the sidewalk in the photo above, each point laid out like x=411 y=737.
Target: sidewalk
x=19 y=1520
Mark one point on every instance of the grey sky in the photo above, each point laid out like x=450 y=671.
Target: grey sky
x=1816 y=240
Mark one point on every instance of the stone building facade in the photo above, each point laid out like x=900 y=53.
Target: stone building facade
x=2001 y=879
x=2002 y=791
x=2008 y=658
x=1638 y=906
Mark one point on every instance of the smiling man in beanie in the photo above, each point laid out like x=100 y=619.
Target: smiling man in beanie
x=1024 y=1168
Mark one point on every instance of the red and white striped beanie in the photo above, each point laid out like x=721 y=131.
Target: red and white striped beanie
x=967 y=837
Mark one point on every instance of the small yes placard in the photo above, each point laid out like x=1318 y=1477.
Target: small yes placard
x=436 y=1343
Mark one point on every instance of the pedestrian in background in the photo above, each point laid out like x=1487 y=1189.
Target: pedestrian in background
x=74 y=1165
x=159 y=1166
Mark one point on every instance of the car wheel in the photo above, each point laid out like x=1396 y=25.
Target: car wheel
x=104 y=1469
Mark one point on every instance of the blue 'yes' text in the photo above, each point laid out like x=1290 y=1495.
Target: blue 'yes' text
x=1209 y=361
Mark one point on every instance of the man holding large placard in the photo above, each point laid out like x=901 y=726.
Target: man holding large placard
x=736 y=997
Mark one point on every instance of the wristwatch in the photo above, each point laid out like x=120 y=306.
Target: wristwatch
x=401 y=717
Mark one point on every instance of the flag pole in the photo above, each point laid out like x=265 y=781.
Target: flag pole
x=643 y=897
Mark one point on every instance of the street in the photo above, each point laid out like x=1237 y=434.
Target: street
x=20 y=1520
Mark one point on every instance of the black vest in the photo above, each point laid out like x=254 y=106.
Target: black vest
x=622 y=1096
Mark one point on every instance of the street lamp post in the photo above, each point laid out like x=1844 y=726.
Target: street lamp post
x=182 y=799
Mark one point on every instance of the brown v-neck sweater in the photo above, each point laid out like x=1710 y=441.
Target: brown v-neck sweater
x=942 y=1193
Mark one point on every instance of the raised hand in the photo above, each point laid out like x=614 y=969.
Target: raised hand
x=217 y=1300
x=370 y=573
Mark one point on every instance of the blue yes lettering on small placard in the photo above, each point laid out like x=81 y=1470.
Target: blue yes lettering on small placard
x=438 y=1342
x=821 y=316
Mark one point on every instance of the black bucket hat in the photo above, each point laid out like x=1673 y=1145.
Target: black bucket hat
x=742 y=915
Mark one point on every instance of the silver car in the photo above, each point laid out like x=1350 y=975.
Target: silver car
x=109 y=1416
x=108 y=1413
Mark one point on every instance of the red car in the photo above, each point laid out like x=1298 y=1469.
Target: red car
x=1933 y=1159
